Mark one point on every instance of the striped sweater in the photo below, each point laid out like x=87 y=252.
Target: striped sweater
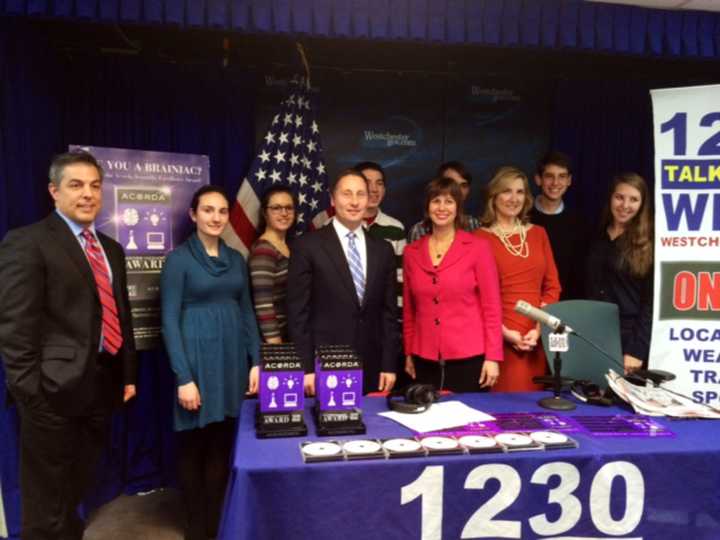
x=268 y=275
x=390 y=229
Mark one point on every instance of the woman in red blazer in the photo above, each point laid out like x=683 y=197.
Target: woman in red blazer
x=452 y=313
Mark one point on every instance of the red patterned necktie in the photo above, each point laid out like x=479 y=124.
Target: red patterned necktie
x=112 y=338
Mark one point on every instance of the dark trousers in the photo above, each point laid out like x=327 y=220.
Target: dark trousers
x=58 y=459
x=203 y=471
x=456 y=376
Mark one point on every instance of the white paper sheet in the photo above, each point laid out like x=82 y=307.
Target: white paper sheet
x=444 y=415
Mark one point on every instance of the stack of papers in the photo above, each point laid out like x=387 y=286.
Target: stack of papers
x=439 y=416
x=658 y=401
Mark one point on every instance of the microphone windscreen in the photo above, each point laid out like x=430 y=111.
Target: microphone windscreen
x=522 y=307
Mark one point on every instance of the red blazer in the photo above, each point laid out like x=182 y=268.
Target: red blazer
x=452 y=311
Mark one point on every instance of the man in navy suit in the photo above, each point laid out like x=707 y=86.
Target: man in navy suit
x=341 y=289
x=67 y=344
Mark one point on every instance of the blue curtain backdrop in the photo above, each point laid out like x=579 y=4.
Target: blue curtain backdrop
x=49 y=100
x=606 y=126
x=558 y=24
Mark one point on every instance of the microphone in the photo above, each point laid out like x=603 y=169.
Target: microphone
x=638 y=378
x=543 y=317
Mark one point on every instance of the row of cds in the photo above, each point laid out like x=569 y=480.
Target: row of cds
x=425 y=446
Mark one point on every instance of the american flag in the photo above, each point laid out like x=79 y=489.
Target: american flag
x=290 y=155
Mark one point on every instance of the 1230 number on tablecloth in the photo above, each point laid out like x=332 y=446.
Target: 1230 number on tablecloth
x=429 y=488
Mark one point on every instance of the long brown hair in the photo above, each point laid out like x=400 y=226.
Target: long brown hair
x=636 y=243
x=497 y=185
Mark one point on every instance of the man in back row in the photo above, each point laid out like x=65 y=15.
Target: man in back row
x=457 y=172
x=378 y=223
x=567 y=232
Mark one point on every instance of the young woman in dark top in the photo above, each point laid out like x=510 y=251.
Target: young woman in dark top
x=619 y=267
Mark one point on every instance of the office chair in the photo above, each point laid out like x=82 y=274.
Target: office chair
x=597 y=321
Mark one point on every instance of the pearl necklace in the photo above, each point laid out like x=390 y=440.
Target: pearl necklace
x=520 y=250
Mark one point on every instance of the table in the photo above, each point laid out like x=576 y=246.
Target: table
x=639 y=488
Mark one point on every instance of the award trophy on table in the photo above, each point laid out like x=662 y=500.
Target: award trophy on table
x=281 y=400
x=338 y=383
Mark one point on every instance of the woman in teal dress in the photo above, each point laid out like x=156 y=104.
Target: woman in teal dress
x=212 y=339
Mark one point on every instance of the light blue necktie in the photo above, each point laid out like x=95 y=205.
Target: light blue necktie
x=356 y=266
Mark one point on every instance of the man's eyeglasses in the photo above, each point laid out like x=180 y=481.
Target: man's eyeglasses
x=277 y=208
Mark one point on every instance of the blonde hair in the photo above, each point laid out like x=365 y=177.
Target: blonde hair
x=636 y=243
x=497 y=185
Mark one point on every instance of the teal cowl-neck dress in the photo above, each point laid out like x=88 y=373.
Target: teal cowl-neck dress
x=209 y=329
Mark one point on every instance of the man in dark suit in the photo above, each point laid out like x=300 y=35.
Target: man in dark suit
x=341 y=289
x=67 y=344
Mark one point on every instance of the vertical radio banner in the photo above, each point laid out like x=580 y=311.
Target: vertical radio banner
x=686 y=317
x=146 y=196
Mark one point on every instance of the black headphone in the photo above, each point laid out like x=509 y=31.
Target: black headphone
x=417 y=398
x=590 y=393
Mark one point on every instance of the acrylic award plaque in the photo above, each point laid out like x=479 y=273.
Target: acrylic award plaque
x=144 y=225
x=338 y=385
x=281 y=397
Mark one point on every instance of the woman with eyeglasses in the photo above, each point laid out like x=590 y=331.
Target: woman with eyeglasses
x=268 y=262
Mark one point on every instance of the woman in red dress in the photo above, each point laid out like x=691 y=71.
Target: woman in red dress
x=527 y=272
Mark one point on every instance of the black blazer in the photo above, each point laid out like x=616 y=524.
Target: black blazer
x=51 y=317
x=323 y=308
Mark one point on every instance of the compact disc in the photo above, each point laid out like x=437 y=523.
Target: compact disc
x=439 y=443
x=361 y=447
x=401 y=445
x=321 y=449
x=477 y=441
x=513 y=439
x=548 y=437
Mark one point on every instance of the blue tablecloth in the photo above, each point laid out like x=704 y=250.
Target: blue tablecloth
x=631 y=488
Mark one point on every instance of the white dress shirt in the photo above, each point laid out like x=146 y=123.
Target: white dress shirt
x=342 y=232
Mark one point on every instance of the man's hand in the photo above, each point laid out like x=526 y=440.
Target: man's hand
x=309 y=383
x=631 y=364
x=386 y=381
x=189 y=396
x=129 y=392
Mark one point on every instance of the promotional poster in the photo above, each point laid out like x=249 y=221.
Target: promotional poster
x=686 y=326
x=146 y=196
